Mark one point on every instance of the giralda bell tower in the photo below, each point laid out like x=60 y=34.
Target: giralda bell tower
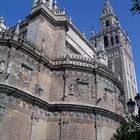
x=118 y=47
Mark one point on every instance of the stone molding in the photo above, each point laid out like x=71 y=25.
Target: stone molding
x=58 y=63
x=10 y=96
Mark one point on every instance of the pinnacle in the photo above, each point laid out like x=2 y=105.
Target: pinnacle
x=107 y=4
x=16 y=32
x=2 y=19
x=107 y=8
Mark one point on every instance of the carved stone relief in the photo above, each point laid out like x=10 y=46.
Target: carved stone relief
x=119 y=105
x=108 y=98
x=9 y=69
x=38 y=89
x=81 y=89
x=25 y=74
x=2 y=67
x=5 y=69
x=2 y=110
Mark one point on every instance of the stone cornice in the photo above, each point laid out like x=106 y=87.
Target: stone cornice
x=49 y=15
x=57 y=107
x=60 y=63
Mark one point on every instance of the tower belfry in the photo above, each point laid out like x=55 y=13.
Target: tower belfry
x=108 y=17
x=107 y=8
x=118 y=48
x=48 y=3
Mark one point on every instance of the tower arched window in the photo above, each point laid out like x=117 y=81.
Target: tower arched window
x=106 y=41
x=117 y=39
x=112 y=41
x=107 y=23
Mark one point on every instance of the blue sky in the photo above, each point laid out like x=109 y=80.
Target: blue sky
x=85 y=14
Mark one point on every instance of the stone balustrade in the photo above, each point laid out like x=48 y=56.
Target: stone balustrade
x=24 y=42
x=58 y=11
x=76 y=60
x=70 y=59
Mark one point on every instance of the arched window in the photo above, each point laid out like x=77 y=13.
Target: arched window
x=106 y=41
x=107 y=23
x=112 y=41
x=117 y=39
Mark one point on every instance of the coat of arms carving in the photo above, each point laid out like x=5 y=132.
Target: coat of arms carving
x=25 y=74
x=81 y=88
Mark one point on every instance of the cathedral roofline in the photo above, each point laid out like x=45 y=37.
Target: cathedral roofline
x=55 y=64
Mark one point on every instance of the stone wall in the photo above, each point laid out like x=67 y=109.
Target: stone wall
x=22 y=119
x=49 y=93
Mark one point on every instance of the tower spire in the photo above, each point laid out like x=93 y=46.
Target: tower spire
x=108 y=18
x=107 y=9
x=16 y=31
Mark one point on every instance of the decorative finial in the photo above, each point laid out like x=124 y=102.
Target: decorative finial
x=16 y=32
x=64 y=10
x=2 y=19
x=55 y=4
x=84 y=34
x=19 y=21
x=70 y=19
x=92 y=32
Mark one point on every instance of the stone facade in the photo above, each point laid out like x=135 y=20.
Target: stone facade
x=118 y=48
x=54 y=83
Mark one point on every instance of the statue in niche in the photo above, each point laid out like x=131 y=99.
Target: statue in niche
x=72 y=88
x=2 y=66
x=9 y=68
x=91 y=91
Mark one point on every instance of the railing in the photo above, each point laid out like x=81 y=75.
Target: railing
x=24 y=42
x=58 y=11
x=76 y=60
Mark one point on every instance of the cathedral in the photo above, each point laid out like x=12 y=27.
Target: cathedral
x=55 y=84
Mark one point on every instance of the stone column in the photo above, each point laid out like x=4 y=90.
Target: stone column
x=99 y=132
x=114 y=38
x=109 y=40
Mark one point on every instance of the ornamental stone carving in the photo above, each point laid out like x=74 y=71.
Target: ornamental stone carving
x=108 y=98
x=72 y=88
x=38 y=89
x=25 y=74
x=2 y=110
x=2 y=66
x=81 y=89
x=9 y=68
